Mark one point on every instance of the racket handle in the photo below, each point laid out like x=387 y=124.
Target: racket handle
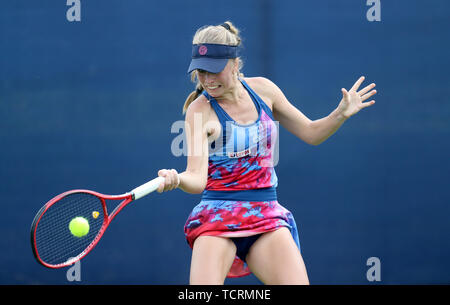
x=146 y=188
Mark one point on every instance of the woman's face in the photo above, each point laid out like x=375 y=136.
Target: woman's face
x=219 y=84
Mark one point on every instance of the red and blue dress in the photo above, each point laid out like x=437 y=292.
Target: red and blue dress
x=240 y=195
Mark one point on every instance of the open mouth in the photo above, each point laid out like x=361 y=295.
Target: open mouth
x=212 y=87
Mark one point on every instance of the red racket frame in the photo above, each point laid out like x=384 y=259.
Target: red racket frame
x=127 y=198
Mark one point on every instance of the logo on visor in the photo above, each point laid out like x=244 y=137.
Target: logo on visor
x=202 y=50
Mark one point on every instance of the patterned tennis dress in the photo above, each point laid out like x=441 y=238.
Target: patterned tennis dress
x=240 y=196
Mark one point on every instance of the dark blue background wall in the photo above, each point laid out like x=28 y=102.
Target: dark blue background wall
x=90 y=104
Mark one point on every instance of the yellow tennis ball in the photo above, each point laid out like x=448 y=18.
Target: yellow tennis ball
x=79 y=226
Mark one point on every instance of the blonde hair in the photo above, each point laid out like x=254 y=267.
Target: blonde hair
x=217 y=34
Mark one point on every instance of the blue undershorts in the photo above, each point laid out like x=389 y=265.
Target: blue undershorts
x=243 y=245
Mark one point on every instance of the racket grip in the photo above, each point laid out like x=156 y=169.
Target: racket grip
x=146 y=188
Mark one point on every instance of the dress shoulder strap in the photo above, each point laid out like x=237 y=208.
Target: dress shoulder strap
x=258 y=99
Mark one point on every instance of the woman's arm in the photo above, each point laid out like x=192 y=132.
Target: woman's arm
x=193 y=179
x=317 y=131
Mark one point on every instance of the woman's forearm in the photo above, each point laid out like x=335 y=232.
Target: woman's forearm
x=323 y=128
x=192 y=182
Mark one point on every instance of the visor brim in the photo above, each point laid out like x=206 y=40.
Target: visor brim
x=212 y=65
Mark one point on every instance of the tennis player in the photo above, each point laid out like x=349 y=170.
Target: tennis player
x=239 y=227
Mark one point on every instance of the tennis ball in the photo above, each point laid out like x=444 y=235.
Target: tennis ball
x=79 y=226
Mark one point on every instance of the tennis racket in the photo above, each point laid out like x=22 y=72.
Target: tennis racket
x=53 y=244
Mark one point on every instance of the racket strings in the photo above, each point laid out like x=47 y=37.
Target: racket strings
x=54 y=242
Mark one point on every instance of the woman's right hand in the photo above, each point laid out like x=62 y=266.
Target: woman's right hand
x=171 y=180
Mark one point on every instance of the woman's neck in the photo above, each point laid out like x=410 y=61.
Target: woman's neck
x=234 y=95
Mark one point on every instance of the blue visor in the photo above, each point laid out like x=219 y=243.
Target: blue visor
x=211 y=57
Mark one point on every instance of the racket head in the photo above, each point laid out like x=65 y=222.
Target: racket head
x=52 y=243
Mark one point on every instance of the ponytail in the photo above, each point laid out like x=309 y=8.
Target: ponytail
x=233 y=30
x=193 y=95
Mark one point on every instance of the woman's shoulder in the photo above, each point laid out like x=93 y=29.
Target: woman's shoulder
x=264 y=87
x=258 y=81
x=200 y=105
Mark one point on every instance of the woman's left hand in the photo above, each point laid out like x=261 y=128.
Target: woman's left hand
x=352 y=100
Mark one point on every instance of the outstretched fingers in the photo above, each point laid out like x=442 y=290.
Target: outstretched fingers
x=358 y=83
x=366 y=89
x=367 y=104
x=366 y=96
